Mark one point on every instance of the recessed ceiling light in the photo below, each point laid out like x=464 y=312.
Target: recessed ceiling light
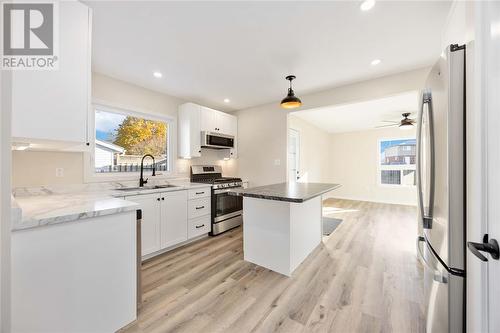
x=157 y=75
x=226 y=100
x=375 y=62
x=367 y=5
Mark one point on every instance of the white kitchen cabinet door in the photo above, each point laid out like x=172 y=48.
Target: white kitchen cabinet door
x=208 y=119
x=173 y=218
x=223 y=123
x=52 y=105
x=150 y=226
x=189 y=129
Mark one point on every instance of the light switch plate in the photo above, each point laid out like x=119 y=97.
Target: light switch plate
x=59 y=172
x=277 y=162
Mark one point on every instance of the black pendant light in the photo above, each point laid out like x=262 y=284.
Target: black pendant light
x=291 y=101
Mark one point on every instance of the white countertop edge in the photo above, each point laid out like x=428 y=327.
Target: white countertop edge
x=118 y=206
x=112 y=202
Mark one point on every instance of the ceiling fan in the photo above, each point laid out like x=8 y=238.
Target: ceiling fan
x=405 y=123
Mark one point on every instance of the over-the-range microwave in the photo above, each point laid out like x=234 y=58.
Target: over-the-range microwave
x=216 y=140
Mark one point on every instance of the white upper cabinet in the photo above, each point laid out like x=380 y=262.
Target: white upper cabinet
x=225 y=123
x=51 y=106
x=208 y=119
x=189 y=138
x=194 y=119
x=216 y=121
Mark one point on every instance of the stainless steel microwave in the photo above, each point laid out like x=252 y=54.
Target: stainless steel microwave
x=216 y=140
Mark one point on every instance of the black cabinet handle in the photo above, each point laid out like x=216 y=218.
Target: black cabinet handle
x=200 y=207
x=200 y=192
x=162 y=198
x=158 y=199
x=489 y=246
x=200 y=226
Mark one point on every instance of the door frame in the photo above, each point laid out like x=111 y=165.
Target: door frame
x=297 y=156
x=482 y=138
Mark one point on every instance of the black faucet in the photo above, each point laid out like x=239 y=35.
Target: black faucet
x=143 y=181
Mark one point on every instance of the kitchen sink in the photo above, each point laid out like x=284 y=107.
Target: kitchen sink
x=155 y=187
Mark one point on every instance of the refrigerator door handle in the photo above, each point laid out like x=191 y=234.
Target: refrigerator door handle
x=437 y=275
x=426 y=216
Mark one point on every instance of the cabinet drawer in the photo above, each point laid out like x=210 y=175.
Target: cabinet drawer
x=199 y=226
x=196 y=193
x=198 y=207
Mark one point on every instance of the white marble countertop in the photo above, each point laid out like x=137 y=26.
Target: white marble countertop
x=40 y=206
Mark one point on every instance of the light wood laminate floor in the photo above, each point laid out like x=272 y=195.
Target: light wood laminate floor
x=363 y=278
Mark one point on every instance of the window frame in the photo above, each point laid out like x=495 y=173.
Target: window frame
x=401 y=168
x=90 y=176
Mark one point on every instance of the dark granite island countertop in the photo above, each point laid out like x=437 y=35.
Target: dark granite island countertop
x=291 y=192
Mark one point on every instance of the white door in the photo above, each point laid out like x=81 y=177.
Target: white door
x=173 y=218
x=150 y=226
x=293 y=155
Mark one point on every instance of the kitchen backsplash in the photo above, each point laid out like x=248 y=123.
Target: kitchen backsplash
x=33 y=168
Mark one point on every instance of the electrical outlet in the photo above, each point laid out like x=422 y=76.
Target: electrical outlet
x=59 y=172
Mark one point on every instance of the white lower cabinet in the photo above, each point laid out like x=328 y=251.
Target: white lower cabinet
x=171 y=218
x=173 y=226
x=151 y=220
x=199 y=226
x=198 y=207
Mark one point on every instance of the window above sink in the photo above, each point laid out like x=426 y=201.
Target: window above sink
x=121 y=137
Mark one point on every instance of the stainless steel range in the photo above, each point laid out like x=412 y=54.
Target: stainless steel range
x=227 y=210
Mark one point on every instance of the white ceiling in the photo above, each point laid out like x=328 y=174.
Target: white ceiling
x=208 y=51
x=363 y=115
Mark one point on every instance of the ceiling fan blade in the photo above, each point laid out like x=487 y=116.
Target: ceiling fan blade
x=394 y=125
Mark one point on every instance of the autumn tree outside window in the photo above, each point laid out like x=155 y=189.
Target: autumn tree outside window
x=122 y=139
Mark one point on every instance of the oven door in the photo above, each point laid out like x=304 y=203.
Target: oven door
x=226 y=211
x=225 y=205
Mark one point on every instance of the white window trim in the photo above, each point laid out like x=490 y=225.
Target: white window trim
x=89 y=174
x=380 y=167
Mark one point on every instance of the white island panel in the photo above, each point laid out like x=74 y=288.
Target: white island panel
x=279 y=235
x=266 y=240
x=305 y=229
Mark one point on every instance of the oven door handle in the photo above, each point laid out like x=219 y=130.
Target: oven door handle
x=226 y=190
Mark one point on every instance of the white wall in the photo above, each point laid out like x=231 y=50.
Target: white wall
x=459 y=28
x=38 y=168
x=314 y=151
x=262 y=144
x=350 y=159
x=354 y=159
x=262 y=130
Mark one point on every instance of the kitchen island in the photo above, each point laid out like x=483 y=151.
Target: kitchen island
x=282 y=223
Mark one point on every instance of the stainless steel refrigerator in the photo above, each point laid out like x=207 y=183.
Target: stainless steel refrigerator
x=441 y=192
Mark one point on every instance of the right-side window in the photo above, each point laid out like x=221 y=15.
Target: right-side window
x=397 y=162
